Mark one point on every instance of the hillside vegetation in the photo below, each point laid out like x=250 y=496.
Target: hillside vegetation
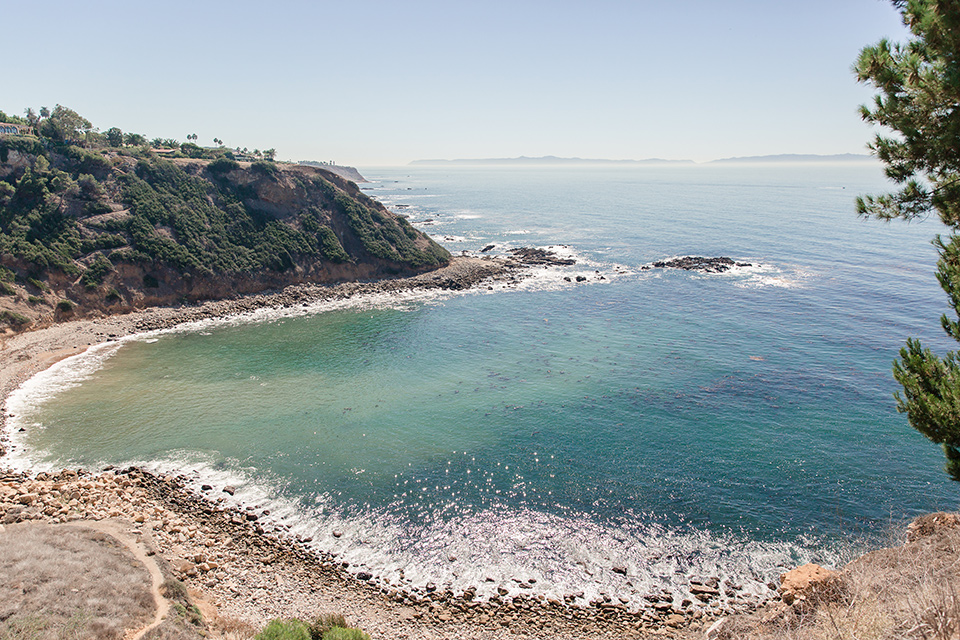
x=87 y=227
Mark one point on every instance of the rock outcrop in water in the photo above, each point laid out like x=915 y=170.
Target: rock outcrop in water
x=537 y=256
x=699 y=263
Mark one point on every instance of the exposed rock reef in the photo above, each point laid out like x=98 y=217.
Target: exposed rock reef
x=698 y=263
x=537 y=256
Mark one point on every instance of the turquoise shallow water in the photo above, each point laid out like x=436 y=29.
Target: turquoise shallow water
x=671 y=423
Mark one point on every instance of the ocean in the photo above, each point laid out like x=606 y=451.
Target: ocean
x=618 y=435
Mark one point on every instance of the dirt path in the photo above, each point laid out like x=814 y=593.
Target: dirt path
x=115 y=530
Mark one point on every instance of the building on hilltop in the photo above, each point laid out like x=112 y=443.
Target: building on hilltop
x=7 y=128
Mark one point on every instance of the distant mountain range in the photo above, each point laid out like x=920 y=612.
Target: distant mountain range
x=554 y=160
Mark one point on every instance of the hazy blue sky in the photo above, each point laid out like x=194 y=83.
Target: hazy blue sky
x=368 y=82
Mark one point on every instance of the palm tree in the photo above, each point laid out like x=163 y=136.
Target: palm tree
x=33 y=119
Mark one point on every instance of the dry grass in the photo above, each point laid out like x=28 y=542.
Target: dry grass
x=234 y=629
x=174 y=627
x=902 y=593
x=66 y=583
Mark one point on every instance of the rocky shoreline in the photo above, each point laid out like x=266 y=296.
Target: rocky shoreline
x=254 y=573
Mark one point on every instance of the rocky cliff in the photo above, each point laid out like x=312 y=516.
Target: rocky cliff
x=97 y=231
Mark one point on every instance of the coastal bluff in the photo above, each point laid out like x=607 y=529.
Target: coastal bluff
x=96 y=232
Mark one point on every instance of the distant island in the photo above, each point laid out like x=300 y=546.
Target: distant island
x=544 y=160
x=555 y=160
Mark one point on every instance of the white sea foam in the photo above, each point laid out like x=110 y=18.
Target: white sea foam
x=42 y=387
x=769 y=275
x=506 y=547
x=761 y=273
x=455 y=239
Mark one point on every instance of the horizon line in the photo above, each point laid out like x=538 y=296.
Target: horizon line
x=552 y=159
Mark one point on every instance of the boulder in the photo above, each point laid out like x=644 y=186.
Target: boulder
x=185 y=567
x=812 y=583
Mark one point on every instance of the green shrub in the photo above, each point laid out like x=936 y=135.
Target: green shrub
x=193 y=615
x=208 y=226
x=24 y=144
x=7 y=289
x=34 y=299
x=191 y=150
x=285 y=630
x=102 y=241
x=66 y=306
x=325 y=622
x=223 y=165
x=6 y=275
x=330 y=245
x=173 y=589
x=129 y=256
x=94 y=274
x=87 y=162
x=89 y=187
x=113 y=296
x=91 y=209
x=348 y=633
x=265 y=168
x=39 y=284
x=14 y=319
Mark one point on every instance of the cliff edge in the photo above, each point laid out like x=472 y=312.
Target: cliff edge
x=96 y=231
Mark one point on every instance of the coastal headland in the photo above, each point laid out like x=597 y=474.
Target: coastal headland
x=101 y=230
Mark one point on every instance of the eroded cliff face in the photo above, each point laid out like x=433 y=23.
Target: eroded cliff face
x=154 y=232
